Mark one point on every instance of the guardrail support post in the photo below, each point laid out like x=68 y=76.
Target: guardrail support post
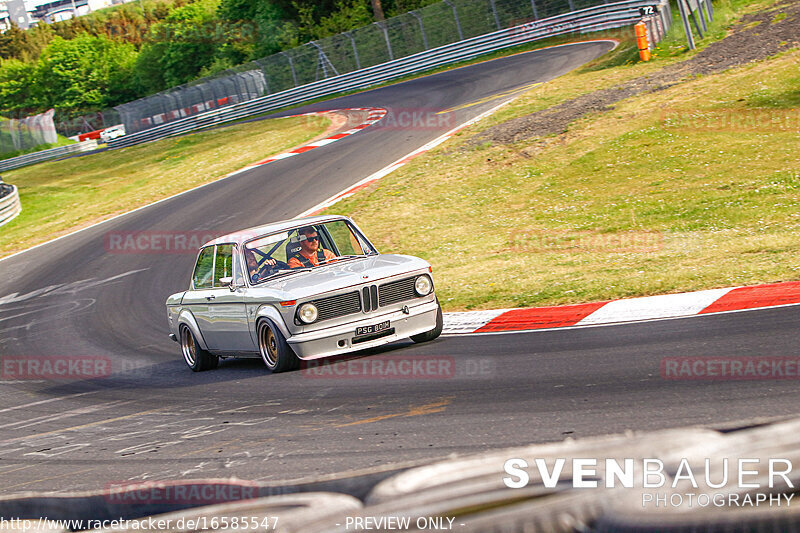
x=355 y=50
x=421 y=28
x=707 y=12
x=266 y=80
x=694 y=17
x=382 y=26
x=494 y=12
x=458 y=22
x=686 y=28
x=323 y=62
x=702 y=14
x=291 y=65
x=665 y=16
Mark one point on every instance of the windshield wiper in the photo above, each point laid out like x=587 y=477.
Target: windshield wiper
x=339 y=258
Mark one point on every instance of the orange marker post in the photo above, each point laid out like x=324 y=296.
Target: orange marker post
x=641 y=41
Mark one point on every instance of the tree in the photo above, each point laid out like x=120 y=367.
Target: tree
x=178 y=48
x=25 y=45
x=16 y=82
x=12 y=43
x=377 y=10
x=348 y=14
x=85 y=74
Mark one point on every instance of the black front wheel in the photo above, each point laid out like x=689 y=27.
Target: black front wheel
x=274 y=350
x=435 y=332
x=197 y=358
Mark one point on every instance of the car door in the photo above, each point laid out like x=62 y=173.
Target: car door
x=197 y=299
x=229 y=316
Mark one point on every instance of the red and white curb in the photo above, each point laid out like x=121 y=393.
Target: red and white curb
x=350 y=191
x=374 y=115
x=628 y=310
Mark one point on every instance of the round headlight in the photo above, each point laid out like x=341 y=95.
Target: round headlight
x=307 y=313
x=423 y=285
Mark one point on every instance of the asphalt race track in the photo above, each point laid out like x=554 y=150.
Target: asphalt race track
x=152 y=418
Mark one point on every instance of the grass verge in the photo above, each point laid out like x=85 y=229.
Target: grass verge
x=62 y=196
x=692 y=187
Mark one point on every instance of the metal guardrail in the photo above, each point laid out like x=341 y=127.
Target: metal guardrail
x=597 y=18
x=9 y=203
x=46 y=155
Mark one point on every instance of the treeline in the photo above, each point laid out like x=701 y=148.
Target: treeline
x=118 y=54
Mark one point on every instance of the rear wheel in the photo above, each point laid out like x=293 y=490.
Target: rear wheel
x=197 y=358
x=435 y=332
x=274 y=350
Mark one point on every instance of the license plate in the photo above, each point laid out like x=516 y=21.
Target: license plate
x=368 y=330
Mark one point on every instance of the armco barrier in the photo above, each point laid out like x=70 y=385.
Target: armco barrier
x=46 y=155
x=597 y=18
x=9 y=204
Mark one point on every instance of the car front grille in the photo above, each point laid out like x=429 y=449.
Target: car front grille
x=397 y=291
x=339 y=305
x=369 y=297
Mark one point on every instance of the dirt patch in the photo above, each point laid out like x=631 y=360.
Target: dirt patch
x=340 y=121
x=757 y=37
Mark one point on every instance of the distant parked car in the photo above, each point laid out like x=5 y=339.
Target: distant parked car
x=112 y=132
x=298 y=290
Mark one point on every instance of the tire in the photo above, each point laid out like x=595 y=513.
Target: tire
x=435 y=332
x=197 y=358
x=274 y=350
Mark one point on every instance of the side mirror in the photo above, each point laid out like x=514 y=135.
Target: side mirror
x=227 y=282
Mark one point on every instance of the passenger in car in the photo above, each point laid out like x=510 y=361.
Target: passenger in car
x=311 y=253
x=253 y=269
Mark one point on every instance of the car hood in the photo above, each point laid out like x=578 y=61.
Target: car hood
x=346 y=274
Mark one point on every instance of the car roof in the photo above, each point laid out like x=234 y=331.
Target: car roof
x=238 y=237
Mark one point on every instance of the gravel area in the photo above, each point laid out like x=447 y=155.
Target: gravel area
x=747 y=42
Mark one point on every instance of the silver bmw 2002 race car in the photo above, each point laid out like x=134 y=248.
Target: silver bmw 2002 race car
x=300 y=289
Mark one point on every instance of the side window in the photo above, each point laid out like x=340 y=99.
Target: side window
x=343 y=238
x=223 y=266
x=202 y=271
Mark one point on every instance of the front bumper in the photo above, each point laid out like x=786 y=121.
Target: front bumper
x=339 y=339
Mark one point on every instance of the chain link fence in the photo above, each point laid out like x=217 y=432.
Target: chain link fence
x=186 y=100
x=73 y=126
x=20 y=135
x=430 y=27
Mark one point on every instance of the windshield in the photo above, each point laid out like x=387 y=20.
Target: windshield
x=303 y=248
